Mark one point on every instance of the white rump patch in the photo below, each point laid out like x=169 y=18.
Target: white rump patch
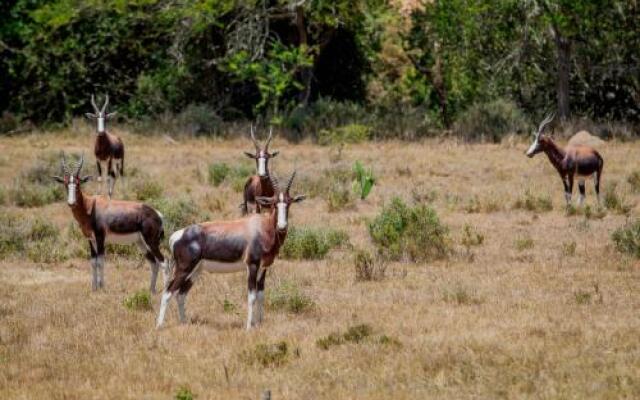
x=175 y=236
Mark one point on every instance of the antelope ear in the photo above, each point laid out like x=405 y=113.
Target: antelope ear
x=58 y=179
x=264 y=201
x=113 y=114
x=86 y=178
x=250 y=155
x=90 y=115
x=299 y=198
x=275 y=153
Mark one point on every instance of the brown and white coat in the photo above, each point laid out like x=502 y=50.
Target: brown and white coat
x=573 y=161
x=108 y=148
x=251 y=243
x=260 y=184
x=109 y=221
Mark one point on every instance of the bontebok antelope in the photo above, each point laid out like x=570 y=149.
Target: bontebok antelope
x=251 y=243
x=573 y=161
x=110 y=221
x=260 y=184
x=109 y=149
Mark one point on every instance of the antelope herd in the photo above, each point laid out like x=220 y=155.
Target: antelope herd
x=250 y=243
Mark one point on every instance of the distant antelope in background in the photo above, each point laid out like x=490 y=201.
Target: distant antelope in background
x=111 y=221
x=574 y=160
x=248 y=244
x=108 y=148
x=260 y=184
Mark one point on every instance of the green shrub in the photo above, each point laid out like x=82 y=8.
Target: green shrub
x=415 y=233
x=139 y=301
x=348 y=134
x=634 y=181
x=471 y=236
x=177 y=212
x=491 y=121
x=353 y=334
x=613 y=201
x=364 y=180
x=531 y=202
x=312 y=243
x=229 y=307
x=37 y=239
x=268 y=355
x=286 y=296
x=184 y=393
x=25 y=194
x=147 y=189
x=218 y=172
x=13 y=234
x=582 y=297
x=368 y=267
x=339 y=197
x=198 y=120
x=627 y=238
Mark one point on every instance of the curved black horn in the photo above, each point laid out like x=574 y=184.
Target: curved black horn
x=106 y=103
x=63 y=164
x=80 y=164
x=546 y=121
x=266 y=146
x=93 y=103
x=290 y=182
x=274 y=182
x=253 y=139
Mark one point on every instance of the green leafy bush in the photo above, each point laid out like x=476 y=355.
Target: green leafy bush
x=24 y=194
x=613 y=201
x=404 y=232
x=348 y=134
x=491 y=121
x=147 y=189
x=627 y=238
x=286 y=296
x=184 y=393
x=218 y=172
x=177 y=212
x=531 y=202
x=368 y=267
x=268 y=355
x=353 y=334
x=139 y=301
x=312 y=243
x=236 y=175
x=364 y=180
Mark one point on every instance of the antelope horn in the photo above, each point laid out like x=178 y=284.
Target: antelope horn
x=547 y=120
x=274 y=182
x=80 y=164
x=63 y=164
x=290 y=182
x=266 y=146
x=253 y=139
x=93 y=103
x=106 y=102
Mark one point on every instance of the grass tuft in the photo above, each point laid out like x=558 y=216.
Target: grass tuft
x=268 y=355
x=312 y=243
x=354 y=334
x=184 y=393
x=368 y=267
x=288 y=297
x=627 y=239
x=139 y=301
x=531 y=202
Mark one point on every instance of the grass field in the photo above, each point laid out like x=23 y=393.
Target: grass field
x=543 y=307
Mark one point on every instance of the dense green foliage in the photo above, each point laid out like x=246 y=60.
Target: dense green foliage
x=318 y=65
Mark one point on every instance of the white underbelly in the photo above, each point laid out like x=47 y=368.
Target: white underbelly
x=222 y=267
x=129 y=238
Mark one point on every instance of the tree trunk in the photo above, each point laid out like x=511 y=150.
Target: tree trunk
x=563 y=48
x=307 y=72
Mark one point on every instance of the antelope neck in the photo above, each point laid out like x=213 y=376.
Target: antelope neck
x=555 y=154
x=81 y=212
x=272 y=232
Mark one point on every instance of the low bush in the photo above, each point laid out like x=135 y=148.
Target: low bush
x=627 y=238
x=460 y=296
x=404 y=232
x=364 y=180
x=615 y=202
x=138 y=301
x=287 y=297
x=218 y=172
x=368 y=267
x=312 y=243
x=268 y=355
x=147 y=189
x=24 y=194
x=531 y=202
x=353 y=334
x=634 y=181
x=236 y=176
x=36 y=238
x=347 y=134
x=339 y=197
x=491 y=121
x=523 y=243
x=177 y=212
x=184 y=393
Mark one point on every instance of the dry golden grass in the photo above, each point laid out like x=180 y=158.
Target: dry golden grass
x=509 y=321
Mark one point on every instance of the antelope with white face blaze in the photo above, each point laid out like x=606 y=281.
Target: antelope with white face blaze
x=251 y=243
x=111 y=221
x=260 y=184
x=575 y=160
x=109 y=149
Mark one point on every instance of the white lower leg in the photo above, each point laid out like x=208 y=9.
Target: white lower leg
x=251 y=300
x=110 y=182
x=166 y=272
x=101 y=272
x=567 y=197
x=154 y=276
x=181 y=312
x=166 y=296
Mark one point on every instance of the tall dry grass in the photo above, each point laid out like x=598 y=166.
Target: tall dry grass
x=556 y=319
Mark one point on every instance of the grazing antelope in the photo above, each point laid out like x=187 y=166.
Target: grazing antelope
x=108 y=148
x=250 y=243
x=574 y=160
x=258 y=185
x=113 y=221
